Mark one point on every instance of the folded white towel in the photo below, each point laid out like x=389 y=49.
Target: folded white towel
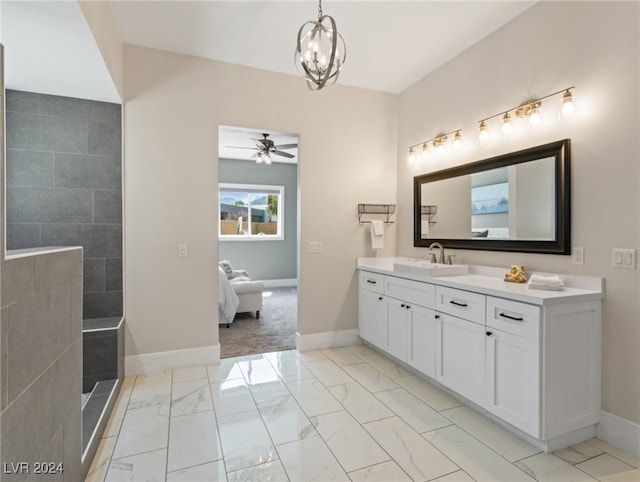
x=549 y=283
x=377 y=234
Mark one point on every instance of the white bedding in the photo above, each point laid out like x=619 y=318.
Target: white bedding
x=227 y=298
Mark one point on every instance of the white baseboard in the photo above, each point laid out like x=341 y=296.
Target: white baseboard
x=169 y=360
x=280 y=283
x=328 y=339
x=619 y=432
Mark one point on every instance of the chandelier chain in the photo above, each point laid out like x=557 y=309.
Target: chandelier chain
x=319 y=9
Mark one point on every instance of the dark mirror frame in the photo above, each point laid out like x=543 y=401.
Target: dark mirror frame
x=560 y=151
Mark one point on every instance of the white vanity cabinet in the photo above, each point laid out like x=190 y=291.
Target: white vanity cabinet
x=533 y=364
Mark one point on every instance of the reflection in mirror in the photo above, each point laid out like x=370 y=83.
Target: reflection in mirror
x=514 y=202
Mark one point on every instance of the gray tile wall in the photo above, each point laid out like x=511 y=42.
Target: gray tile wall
x=64 y=186
x=41 y=366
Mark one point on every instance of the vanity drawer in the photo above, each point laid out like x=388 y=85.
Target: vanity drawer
x=372 y=281
x=423 y=294
x=463 y=304
x=520 y=319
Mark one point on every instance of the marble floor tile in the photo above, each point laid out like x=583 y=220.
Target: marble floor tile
x=190 y=373
x=268 y=390
x=609 y=469
x=578 y=453
x=310 y=460
x=143 y=430
x=428 y=393
x=227 y=369
x=361 y=350
x=285 y=420
x=369 y=377
x=112 y=428
x=342 y=356
x=279 y=355
x=549 y=468
x=151 y=390
x=245 y=441
x=510 y=446
x=360 y=403
x=348 y=441
x=420 y=416
x=211 y=472
x=100 y=464
x=306 y=356
x=328 y=372
x=191 y=396
x=148 y=466
x=193 y=440
x=417 y=457
x=271 y=472
x=290 y=368
x=257 y=370
x=231 y=396
x=459 y=476
x=475 y=458
x=313 y=397
x=384 y=472
x=386 y=365
x=616 y=452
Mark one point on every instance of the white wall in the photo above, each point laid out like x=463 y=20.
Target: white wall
x=173 y=107
x=553 y=45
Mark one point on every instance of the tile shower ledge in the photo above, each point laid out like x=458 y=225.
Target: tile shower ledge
x=25 y=253
x=490 y=281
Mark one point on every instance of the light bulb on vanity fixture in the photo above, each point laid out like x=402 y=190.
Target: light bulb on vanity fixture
x=567 y=104
x=483 y=135
x=457 y=141
x=412 y=157
x=425 y=151
x=507 y=128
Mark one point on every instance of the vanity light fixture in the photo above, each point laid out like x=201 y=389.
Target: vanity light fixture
x=438 y=142
x=530 y=110
x=320 y=51
x=412 y=157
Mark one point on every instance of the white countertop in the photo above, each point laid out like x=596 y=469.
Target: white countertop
x=490 y=281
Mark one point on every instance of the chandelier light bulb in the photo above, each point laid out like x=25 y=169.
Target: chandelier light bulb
x=484 y=132
x=507 y=128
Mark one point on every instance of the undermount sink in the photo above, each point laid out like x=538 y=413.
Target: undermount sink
x=426 y=268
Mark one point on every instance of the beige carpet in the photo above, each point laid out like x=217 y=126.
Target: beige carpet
x=274 y=331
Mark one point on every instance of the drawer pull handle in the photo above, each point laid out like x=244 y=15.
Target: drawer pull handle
x=489 y=333
x=514 y=318
x=371 y=282
x=464 y=305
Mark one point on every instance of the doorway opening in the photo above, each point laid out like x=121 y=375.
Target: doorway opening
x=258 y=213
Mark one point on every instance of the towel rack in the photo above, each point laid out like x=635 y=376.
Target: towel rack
x=382 y=209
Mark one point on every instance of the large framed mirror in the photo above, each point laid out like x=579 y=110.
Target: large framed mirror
x=519 y=201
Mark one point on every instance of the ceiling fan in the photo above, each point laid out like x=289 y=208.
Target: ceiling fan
x=265 y=147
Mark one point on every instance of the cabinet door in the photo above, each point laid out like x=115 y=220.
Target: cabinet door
x=398 y=315
x=513 y=380
x=460 y=357
x=372 y=318
x=422 y=340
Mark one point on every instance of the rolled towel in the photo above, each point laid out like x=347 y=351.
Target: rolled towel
x=549 y=283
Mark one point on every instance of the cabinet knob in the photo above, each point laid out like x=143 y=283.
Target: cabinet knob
x=489 y=333
x=437 y=317
x=380 y=298
x=408 y=307
x=402 y=305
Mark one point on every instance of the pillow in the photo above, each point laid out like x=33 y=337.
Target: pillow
x=226 y=266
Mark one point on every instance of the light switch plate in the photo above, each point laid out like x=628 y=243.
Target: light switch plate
x=182 y=251
x=314 y=247
x=623 y=258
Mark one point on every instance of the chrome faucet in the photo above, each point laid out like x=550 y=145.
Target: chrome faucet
x=441 y=253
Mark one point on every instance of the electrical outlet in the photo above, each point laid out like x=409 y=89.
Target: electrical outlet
x=182 y=251
x=577 y=255
x=314 y=247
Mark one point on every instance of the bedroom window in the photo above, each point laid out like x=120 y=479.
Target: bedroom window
x=251 y=212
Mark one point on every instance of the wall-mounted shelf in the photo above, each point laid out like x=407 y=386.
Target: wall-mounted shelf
x=386 y=210
x=429 y=210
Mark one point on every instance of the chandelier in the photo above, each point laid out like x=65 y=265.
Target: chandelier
x=320 y=51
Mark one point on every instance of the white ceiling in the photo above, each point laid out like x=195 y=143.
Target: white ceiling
x=390 y=44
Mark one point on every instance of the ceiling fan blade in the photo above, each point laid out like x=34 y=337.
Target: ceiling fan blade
x=283 y=154
x=286 y=146
x=242 y=147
